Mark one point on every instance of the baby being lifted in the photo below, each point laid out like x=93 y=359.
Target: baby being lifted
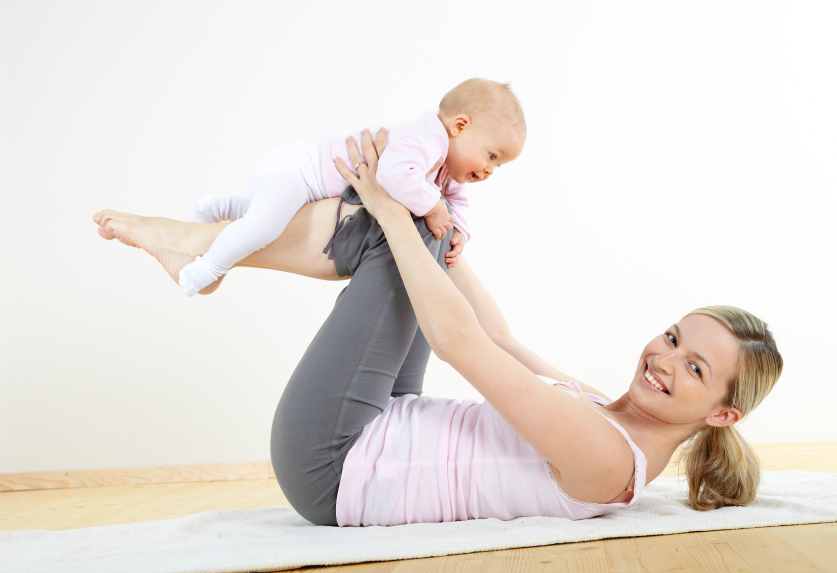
x=479 y=127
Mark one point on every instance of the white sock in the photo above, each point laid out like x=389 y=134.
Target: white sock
x=217 y=208
x=198 y=275
x=267 y=216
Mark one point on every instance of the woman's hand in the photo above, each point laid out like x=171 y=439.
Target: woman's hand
x=375 y=198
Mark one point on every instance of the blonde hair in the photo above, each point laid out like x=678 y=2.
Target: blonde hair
x=721 y=467
x=479 y=98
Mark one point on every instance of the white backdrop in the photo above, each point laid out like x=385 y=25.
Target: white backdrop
x=679 y=154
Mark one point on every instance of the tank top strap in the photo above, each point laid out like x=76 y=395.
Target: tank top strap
x=640 y=461
x=574 y=386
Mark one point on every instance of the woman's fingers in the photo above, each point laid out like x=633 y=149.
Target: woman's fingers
x=381 y=140
x=343 y=169
x=369 y=151
x=354 y=153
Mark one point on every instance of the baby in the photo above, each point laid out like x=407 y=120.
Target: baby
x=479 y=127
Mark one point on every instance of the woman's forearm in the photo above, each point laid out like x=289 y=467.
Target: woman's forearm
x=538 y=365
x=495 y=326
x=443 y=313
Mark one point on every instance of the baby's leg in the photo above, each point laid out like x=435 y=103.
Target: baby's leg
x=268 y=215
x=175 y=244
x=218 y=208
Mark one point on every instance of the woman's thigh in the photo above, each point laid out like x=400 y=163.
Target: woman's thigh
x=299 y=249
x=346 y=376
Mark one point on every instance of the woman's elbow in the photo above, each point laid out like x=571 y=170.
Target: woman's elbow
x=451 y=343
x=444 y=341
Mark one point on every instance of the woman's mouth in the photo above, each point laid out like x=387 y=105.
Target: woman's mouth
x=649 y=381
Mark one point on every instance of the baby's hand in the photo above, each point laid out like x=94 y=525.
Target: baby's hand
x=438 y=220
x=457 y=243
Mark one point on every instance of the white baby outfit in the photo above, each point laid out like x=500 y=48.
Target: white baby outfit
x=291 y=176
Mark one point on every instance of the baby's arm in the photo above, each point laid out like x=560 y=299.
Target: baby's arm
x=438 y=220
x=402 y=171
x=454 y=193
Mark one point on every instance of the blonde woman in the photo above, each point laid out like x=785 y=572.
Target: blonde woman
x=354 y=443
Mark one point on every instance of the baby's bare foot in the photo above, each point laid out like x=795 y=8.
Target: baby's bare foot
x=166 y=240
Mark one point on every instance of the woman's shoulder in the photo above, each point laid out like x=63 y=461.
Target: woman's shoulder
x=612 y=462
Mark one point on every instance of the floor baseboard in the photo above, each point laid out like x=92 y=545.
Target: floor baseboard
x=134 y=476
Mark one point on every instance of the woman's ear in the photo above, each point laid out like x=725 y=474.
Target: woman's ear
x=725 y=417
x=459 y=124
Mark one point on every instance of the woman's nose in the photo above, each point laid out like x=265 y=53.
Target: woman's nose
x=664 y=362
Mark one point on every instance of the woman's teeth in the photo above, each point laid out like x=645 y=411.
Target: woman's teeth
x=654 y=382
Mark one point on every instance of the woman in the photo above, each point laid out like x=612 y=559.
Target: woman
x=353 y=444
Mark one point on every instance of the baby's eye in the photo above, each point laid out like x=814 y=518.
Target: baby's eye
x=696 y=369
x=492 y=156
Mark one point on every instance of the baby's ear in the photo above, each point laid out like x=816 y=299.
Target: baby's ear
x=459 y=124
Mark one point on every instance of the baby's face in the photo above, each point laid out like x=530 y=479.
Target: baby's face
x=477 y=148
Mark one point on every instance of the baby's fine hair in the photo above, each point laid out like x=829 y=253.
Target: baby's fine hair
x=484 y=98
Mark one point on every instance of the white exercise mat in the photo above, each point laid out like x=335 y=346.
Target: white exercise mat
x=275 y=538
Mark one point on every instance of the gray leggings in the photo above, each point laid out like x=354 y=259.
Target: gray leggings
x=368 y=349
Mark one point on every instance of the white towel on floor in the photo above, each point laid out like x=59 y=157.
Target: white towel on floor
x=276 y=538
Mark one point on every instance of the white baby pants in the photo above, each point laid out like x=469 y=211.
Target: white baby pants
x=284 y=180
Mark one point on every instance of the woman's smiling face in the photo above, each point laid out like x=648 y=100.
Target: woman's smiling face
x=683 y=375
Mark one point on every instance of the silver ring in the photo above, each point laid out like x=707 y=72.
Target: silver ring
x=359 y=163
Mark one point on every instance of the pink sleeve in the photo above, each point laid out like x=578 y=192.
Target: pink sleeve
x=403 y=168
x=459 y=205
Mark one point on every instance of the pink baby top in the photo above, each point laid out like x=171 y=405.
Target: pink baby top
x=426 y=460
x=402 y=169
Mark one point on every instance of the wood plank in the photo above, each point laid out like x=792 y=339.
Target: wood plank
x=87 y=507
x=133 y=476
x=804 y=548
x=810 y=456
x=794 y=548
x=807 y=456
x=740 y=550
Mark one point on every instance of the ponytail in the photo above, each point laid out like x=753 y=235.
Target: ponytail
x=721 y=469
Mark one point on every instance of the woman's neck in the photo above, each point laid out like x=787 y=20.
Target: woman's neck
x=657 y=439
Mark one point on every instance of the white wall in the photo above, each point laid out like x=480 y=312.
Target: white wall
x=679 y=154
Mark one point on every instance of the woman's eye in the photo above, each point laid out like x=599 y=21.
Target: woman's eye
x=671 y=338
x=696 y=369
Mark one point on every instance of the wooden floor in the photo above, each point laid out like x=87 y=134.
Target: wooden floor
x=791 y=548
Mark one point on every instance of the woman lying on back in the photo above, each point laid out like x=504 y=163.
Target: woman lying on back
x=354 y=444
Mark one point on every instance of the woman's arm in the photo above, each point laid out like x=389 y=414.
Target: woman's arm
x=555 y=423
x=495 y=326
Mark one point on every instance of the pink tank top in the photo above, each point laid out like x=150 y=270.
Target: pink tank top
x=426 y=460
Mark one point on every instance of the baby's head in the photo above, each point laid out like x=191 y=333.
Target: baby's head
x=485 y=128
